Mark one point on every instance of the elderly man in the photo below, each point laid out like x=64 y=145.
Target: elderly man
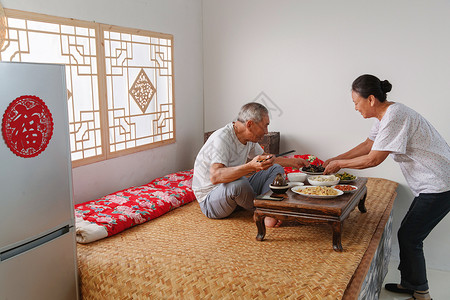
x=220 y=180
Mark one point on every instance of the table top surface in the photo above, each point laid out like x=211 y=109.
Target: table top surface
x=332 y=206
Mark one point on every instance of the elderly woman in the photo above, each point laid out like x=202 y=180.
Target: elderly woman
x=424 y=158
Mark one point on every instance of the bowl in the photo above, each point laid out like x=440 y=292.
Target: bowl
x=326 y=180
x=346 y=177
x=346 y=188
x=296 y=177
x=279 y=189
x=348 y=181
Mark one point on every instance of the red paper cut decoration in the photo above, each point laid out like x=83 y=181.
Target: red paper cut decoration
x=27 y=126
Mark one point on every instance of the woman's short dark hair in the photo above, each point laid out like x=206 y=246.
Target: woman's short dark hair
x=367 y=85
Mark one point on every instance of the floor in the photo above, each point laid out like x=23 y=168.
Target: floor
x=439 y=282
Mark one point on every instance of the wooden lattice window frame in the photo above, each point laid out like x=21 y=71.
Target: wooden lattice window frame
x=131 y=82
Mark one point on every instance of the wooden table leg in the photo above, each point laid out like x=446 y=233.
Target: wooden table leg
x=361 y=204
x=337 y=231
x=259 y=220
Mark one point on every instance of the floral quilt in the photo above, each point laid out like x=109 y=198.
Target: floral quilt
x=116 y=212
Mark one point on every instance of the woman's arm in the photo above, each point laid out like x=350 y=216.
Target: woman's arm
x=360 y=150
x=374 y=158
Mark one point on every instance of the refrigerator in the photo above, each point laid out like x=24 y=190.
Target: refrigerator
x=37 y=239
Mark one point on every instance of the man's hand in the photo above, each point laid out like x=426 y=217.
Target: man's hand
x=300 y=162
x=292 y=162
x=262 y=162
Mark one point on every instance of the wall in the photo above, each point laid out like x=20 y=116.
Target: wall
x=300 y=58
x=183 y=19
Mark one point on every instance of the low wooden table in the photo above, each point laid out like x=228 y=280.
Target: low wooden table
x=308 y=210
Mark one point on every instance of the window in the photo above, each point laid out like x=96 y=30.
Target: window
x=119 y=80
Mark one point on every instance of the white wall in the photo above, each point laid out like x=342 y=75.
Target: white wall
x=304 y=56
x=183 y=19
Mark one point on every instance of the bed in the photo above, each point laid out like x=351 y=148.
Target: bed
x=181 y=254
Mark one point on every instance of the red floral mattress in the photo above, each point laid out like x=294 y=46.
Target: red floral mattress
x=116 y=212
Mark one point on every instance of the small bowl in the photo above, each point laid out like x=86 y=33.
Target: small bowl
x=348 y=181
x=354 y=188
x=296 y=177
x=279 y=189
x=333 y=180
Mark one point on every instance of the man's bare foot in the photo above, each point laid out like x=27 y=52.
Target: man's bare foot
x=272 y=222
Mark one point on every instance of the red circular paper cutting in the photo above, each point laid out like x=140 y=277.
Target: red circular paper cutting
x=27 y=126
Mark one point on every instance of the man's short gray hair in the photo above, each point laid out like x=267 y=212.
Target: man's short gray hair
x=252 y=111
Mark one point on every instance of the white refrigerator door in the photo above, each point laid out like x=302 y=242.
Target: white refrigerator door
x=46 y=272
x=36 y=193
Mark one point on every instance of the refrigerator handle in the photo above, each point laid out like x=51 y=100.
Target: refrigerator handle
x=34 y=243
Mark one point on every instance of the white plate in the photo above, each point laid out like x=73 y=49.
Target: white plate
x=311 y=173
x=322 y=183
x=353 y=186
x=298 y=190
x=348 y=181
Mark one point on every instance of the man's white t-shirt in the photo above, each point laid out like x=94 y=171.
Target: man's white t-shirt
x=222 y=147
x=422 y=153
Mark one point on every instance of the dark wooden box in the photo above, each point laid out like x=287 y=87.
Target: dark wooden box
x=270 y=142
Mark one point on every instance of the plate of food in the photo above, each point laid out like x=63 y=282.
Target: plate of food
x=346 y=188
x=321 y=192
x=327 y=180
x=313 y=170
x=346 y=177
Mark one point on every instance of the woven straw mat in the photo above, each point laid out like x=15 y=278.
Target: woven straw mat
x=185 y=255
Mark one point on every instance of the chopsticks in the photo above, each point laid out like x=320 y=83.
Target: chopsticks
x=277 y=155
x=284 y=153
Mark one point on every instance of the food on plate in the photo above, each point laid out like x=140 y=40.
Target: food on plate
x=319 y=191
x=323 y=178
x=345 y=187
x=346 y=176
x=279 y=180
x=314 y=169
